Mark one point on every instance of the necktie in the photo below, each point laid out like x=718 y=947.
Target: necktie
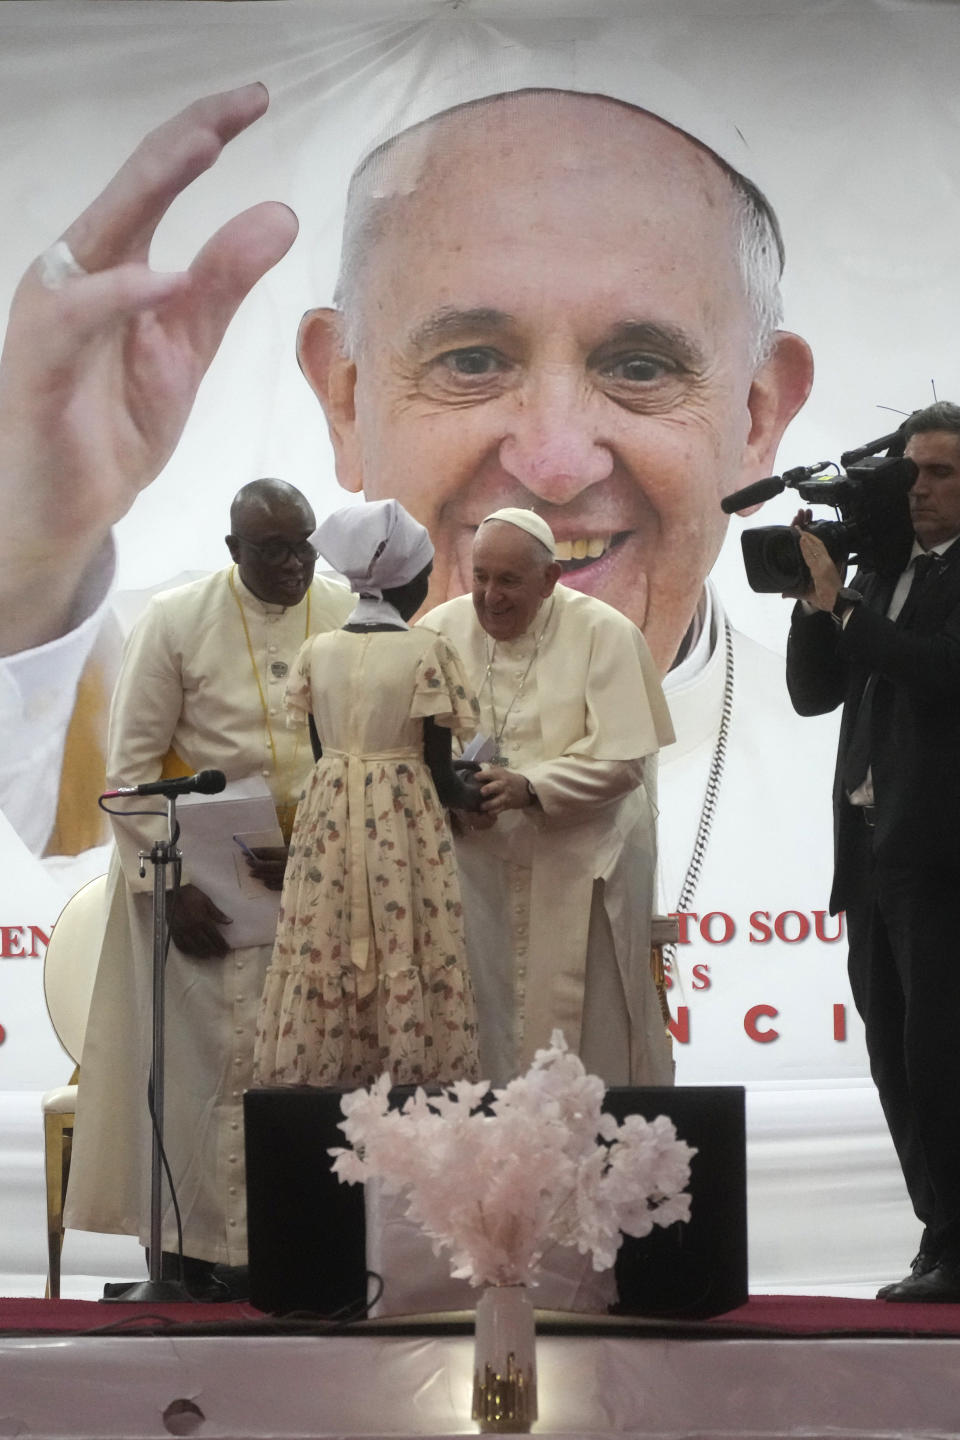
x=925 y=567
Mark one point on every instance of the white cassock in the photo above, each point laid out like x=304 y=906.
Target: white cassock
x=203 y=675
x=38 y=688
x=768 y=850
x=558 y=898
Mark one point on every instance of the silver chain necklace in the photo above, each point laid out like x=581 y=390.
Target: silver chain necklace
x=499 y=758
x=708 y=809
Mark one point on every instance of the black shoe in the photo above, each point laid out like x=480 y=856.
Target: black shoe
x=236 y=1278
x=941 y=1285
x=922 y=1263
x=199 y=1279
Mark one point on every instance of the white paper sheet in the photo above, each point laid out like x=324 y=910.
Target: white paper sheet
x=216 y=862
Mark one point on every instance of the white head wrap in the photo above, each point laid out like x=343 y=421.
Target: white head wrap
x=528 y=520
x=377 y=547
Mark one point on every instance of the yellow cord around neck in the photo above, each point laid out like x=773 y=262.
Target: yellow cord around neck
x=286 y=809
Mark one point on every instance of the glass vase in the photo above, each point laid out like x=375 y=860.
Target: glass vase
x=505 y=1361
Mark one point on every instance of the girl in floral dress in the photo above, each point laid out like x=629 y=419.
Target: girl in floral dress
x=369 y=970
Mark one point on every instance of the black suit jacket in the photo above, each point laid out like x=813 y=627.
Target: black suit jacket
x=915 y=716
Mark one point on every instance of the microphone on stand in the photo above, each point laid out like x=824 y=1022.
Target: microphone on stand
x=162 y=855
x=206 y=782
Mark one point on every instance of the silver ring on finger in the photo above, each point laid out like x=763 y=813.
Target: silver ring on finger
x=58 y=264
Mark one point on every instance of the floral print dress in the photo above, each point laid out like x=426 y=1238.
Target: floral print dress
x=369 y=970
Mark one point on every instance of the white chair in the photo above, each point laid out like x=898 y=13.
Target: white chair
x=69 y=971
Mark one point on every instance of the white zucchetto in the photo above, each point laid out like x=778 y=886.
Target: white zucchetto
x=528 y=520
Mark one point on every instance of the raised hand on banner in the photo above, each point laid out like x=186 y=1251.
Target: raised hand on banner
x=103 y=358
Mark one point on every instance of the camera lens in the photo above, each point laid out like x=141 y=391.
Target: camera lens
x=772 y=559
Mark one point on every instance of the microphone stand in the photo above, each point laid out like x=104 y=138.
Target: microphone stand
x=156 y=1290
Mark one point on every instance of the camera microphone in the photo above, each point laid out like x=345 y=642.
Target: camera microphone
x=774 y=485
x=754 y=494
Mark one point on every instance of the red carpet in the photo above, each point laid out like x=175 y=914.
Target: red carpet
x=825 y=1315
x=73 y=1317
x=777 y=1316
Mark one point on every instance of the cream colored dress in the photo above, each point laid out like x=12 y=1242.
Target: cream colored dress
x=369 y=969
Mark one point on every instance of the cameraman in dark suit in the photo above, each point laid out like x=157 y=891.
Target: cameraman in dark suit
x=889 y=649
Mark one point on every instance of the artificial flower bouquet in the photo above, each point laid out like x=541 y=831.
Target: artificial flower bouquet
x=497 y=1177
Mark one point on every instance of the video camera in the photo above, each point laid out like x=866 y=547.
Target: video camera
x=869 y=494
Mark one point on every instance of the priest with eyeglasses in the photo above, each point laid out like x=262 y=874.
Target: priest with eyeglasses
x=201 y=685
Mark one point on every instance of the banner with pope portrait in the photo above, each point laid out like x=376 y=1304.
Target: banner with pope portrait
x=507 y=231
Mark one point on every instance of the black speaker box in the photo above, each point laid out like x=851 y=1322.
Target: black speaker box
x=697 y=1267
x=307 y=1235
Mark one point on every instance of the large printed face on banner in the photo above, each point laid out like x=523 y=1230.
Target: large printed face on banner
x=546 y=308
x=543 y=307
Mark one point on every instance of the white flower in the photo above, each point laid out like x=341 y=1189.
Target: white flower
x=497 y=1177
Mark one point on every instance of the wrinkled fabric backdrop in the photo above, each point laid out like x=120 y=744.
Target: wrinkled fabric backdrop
x=850 y=108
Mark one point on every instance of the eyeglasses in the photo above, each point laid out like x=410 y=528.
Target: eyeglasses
x=278 y=552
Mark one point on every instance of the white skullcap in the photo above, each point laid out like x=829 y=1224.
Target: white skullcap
x=528 y=520
x=464 y=58
x=376 y=546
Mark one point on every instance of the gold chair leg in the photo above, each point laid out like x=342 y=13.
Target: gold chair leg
x=658 y=972
x=58 y=1142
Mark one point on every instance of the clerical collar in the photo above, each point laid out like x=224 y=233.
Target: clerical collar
x=695 y=687
x=699 y=640
x=253 y=602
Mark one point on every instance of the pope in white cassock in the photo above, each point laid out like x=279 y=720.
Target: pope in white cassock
x=201 y=685
x=557 y=874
